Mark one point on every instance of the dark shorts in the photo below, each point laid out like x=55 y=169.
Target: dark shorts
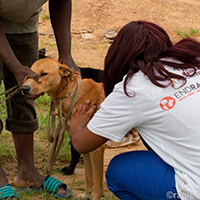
x=21 y=114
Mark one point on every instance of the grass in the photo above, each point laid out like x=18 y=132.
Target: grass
x=2 y=103
x=191 y=33
x=50 y=42
x=45 y=16
x=6 y=146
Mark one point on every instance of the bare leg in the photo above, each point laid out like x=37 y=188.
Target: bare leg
x=27 y=174
x=3 y=179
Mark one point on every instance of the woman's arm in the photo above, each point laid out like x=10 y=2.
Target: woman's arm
x=82 y=138
x=20 y=72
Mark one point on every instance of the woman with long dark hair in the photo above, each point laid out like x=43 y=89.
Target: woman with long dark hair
x=154 y=86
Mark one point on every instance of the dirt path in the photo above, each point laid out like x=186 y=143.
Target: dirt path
x=92 y=18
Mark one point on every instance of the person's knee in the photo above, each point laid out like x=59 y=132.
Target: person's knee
x=122 y=168
x=112 y=166
x=115 y=178
x=112 y=173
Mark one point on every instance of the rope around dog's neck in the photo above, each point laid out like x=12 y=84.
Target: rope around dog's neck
x=10 y=92
x=56 y=136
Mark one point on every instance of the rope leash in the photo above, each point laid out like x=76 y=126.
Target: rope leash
x=10 y=92
x=56 y=135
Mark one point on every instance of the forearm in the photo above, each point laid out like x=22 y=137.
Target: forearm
x=82 y=138
x=60 y=13
x=6 y=53
x=84 y=141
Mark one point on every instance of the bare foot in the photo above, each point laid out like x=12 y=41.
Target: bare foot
x=33 y=179
x=32 y=183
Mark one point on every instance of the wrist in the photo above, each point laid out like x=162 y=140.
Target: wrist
x=69 y=62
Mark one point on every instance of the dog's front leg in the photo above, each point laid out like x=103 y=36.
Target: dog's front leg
x=88 y=173
x=97 y=161
x=74 y=161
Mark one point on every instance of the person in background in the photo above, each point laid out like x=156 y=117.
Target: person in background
x=154 y=86
x=18 y=51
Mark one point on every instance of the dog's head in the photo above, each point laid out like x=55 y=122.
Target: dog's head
x=53 y=75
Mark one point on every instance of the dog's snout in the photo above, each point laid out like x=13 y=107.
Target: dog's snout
x=26 y=89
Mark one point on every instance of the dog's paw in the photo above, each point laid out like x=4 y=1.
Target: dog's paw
x=84 y=196
x=67 y=170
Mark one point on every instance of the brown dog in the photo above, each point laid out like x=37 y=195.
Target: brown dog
x=60 y=83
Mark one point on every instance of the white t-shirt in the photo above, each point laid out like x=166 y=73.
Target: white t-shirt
x=167 y=118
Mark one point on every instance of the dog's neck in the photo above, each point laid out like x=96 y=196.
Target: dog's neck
x=67 y=93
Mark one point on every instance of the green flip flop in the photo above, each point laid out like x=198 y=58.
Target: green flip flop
x=52 y=185
x=7 y=191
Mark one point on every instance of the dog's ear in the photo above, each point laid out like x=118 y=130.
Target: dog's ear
x=66 y=72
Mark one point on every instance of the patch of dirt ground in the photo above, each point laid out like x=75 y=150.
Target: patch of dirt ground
x=90 y=21
x=92 y=18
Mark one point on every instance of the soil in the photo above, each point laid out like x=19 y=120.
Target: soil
x=91 y=19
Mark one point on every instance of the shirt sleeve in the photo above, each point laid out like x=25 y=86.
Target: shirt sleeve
x=117 y=115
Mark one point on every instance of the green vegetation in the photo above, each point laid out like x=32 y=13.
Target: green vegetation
x=191 y=33
x=45 y=16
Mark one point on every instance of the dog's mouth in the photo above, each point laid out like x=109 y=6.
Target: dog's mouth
x=33 y=96
x=25 y=90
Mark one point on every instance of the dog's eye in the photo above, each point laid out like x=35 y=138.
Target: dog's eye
x=43 y=74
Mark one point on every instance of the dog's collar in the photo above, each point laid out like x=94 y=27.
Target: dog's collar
x=74 y=99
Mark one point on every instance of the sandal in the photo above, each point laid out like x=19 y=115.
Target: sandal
x=51 y=186
x=7 y=191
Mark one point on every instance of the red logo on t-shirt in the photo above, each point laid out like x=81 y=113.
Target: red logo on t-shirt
x=167 y=103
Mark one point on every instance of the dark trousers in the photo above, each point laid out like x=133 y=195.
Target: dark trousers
x=21 y=115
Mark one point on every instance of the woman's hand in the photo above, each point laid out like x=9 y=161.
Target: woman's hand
x=81 y=116
x=82 y=138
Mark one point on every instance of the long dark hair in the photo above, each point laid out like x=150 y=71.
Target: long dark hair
x=140 y=45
